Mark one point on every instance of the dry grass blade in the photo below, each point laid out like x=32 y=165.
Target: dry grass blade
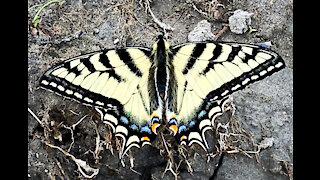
x=35 y=117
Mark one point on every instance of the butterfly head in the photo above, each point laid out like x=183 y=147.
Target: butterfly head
x=160 y=37
x=161 y=45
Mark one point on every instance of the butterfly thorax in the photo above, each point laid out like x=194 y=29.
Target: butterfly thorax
x=161 y=69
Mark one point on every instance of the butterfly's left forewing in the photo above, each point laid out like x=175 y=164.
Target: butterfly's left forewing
x=115 y=82
x=205 y=74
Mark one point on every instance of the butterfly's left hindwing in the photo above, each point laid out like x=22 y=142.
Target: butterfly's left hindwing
x=205 y=73
x=115 y=82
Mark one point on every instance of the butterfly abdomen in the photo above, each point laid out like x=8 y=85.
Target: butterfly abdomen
x=161 y=70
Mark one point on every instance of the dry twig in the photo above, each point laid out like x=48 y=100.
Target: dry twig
x=157 y=21
x=225 y=28
x=171 y=160
x=80 y=163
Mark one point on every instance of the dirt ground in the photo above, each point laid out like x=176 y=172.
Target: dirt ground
x=69 y=142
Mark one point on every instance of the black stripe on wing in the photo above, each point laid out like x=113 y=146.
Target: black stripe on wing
x=79 y=90
x=76 y=66
x=267 y=68
x=106 y=62
x=126 y=58
x=197 y=51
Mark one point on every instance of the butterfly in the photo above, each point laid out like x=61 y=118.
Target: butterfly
x=185 y=87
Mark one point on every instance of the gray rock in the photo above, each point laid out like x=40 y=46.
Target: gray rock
x=239 y=21
x=202 y=32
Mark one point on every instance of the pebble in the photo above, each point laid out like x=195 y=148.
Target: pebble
x=202 y=32
x=96 y=31
x=239 y=21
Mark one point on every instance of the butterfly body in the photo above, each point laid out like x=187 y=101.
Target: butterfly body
x=183 y=87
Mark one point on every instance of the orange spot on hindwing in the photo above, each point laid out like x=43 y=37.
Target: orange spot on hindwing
x=174 y=128
x=183 y=137
x=145 y=138
x=154 y=127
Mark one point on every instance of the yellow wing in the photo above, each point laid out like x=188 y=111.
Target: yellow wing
x=205 y=74
x=115 y=83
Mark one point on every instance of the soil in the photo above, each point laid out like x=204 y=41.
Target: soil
x=264 y=109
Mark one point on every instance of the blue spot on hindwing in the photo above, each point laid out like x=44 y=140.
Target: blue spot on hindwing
x=155 y=119
x=182 y=128
x=145 y=129
x=201 y=114
x=134 y=127
x=191 y=123
x=124 y=120
x=173 y=121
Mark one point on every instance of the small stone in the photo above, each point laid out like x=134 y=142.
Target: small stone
x=116 y=41
x=202 y=32
x=266 y=142
x=96 y=31
x=95 y=48
x=33 y=30
x=239 y=21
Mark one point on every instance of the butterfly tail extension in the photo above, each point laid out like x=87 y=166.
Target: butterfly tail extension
x=131 y=135
x=195 y=131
